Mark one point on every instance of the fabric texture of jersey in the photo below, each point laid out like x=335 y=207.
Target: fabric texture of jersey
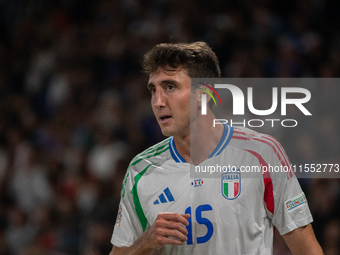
x=233 y=213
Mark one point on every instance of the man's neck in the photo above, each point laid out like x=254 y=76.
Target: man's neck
x=202 y=139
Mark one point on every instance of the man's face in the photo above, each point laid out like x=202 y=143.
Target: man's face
x=170 y=101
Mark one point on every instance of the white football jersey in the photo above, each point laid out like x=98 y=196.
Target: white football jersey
x=231 y=213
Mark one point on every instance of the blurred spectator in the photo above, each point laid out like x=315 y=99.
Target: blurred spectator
x=19 y=232
x=29 y=185
x=331 y=237
x=104 y=155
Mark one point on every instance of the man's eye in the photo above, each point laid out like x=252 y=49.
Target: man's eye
x=152 y=90
x=170 y=86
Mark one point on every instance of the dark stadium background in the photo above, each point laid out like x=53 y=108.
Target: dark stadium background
x=74 y=108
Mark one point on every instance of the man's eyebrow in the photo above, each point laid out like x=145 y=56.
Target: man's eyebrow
x=150 y=84
x=169 y=81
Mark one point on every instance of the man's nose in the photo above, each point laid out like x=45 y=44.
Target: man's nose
x=159 y=98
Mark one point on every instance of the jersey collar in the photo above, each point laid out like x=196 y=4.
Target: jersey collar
x=225 y=139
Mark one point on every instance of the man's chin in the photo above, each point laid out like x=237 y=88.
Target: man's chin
x=166 y=132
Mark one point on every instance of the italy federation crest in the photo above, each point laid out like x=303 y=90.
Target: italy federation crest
x=231 y=185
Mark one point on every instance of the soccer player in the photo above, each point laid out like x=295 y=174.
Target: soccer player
x=165 y=211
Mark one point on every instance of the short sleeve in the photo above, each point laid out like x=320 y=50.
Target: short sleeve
x=291 y=207
x=127 y=228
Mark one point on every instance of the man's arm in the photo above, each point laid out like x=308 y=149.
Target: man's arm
x=302 y=241
x=168 y=228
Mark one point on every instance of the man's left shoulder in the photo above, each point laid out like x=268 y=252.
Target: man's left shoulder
x=245 y=138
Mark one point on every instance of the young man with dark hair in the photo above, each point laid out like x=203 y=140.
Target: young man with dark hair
x=163 y=212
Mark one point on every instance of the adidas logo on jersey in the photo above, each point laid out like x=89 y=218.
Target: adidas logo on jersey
x=161 y=198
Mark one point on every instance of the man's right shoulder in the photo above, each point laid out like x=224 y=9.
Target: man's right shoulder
x=155 y=154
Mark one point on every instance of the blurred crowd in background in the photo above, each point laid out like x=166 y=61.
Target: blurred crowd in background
x=74 y=108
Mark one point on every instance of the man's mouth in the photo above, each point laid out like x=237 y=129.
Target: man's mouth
x=165 y=118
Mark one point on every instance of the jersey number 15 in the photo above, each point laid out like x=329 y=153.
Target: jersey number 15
x=200 y=220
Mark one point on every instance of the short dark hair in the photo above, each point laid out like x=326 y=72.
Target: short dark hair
x=196 y=58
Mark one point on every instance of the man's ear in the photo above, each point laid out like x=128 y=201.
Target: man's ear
x=202 y=90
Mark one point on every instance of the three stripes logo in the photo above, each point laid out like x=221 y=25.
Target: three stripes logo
x=204 y=97
x=165 y=197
